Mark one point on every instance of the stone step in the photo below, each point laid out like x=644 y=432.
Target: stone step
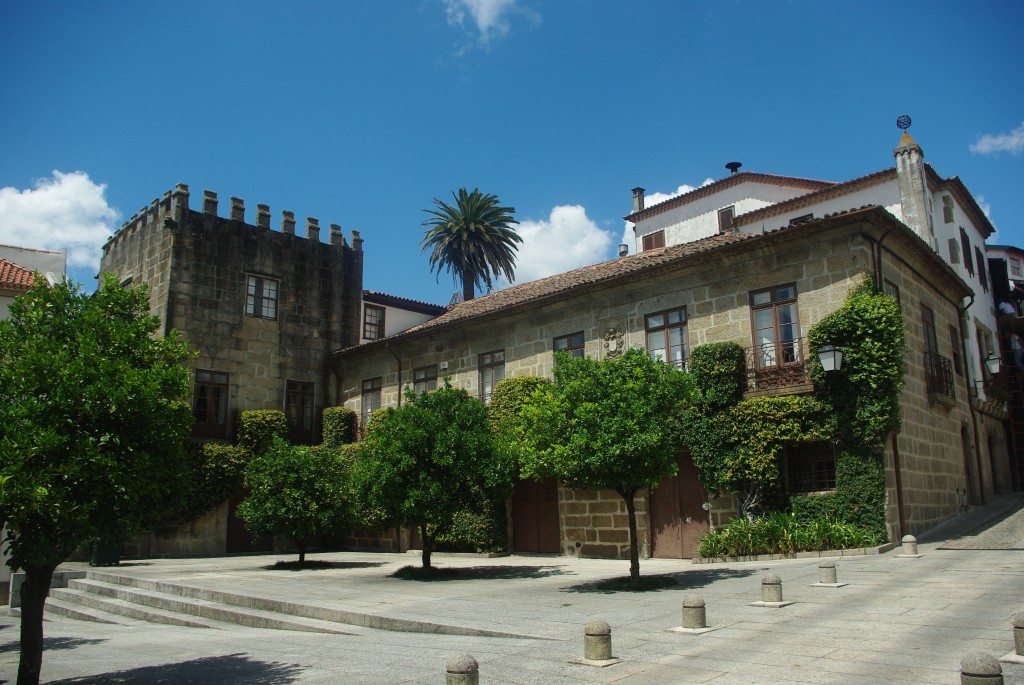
x=303 y=611
x=93 y=602
x=136 y=600
x=56 y=607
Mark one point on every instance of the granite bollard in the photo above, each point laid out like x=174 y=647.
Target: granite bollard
x=694 y=614
x=462 y=670
x=979 y=668
x=771 y=588
x=597 y=640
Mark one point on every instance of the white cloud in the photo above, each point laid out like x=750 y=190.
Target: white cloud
x=1012 y=142
x=67 y=212
x=628 y=237
x=566 y=240
x=490 y=17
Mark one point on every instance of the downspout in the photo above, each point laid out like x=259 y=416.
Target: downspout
x=965 y=325
x=897 y=468
x=399 y=360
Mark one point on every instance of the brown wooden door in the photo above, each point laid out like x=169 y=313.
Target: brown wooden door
x=678 y=518
x=239 y=540
x=535 y=516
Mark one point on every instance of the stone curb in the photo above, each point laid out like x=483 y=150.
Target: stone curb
x=854 y=552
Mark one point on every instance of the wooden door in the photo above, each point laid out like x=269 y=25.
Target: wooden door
x=535 y=516
x=678 y=518
x=240 y=541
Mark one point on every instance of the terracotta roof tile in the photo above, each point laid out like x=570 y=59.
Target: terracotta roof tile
x=402 y=302
x=727 y=182
x=14 y=277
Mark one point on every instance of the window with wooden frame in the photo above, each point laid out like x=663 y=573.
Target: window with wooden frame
x=492 y=371
x=725 y=219
x=370 y=401
x=811 y=467
x=210 y=404
x=261 y=297
x=299 y=411
x=1015 y=270
x=654 y=240
x=957 y=345
x=954 y=251
x=666 y=336
x=801 y=219
x=573 y=344
x=373 y=322
x=965 y=244
x=947 y=209
x=424 y=379
x=775 y=322
x=979 y=257
x=892 y=290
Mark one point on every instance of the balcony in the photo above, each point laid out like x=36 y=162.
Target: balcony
x=938 y=374
x=777 y=365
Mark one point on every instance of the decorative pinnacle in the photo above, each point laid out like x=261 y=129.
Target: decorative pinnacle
x=903 y=122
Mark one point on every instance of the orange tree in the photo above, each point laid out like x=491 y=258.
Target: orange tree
x=94 y=417
x=606 y=424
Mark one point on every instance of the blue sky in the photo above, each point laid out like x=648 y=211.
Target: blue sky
x=360 y=113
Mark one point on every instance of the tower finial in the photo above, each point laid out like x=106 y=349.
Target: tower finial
x=903 y=122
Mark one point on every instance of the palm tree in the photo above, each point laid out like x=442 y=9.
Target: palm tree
x=473 y=239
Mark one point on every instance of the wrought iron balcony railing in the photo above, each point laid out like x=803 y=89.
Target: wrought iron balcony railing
x=938 y=373
x=778 y=364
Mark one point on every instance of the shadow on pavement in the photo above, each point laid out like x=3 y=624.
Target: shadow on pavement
x=53 y=644
x=445 y=574
x=230 y=669
x=685 y=580
x=320 y=565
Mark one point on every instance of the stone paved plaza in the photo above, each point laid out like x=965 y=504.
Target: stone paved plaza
x=898 y=620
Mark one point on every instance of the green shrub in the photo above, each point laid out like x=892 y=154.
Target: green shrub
x=478 y=531
x=782 y=533
x=257 y=428
x=339 y=426
x=717 y=370
x=215 y=473
x=507 y=400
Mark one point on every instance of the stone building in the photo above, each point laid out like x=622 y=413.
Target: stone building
x=262 y=308
x=669 y=300
x=941 y=211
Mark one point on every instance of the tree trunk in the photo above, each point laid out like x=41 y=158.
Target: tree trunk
x=301 y=544
x=33 y=597
x=468 y=281
x=634 y=547
x=428 y=545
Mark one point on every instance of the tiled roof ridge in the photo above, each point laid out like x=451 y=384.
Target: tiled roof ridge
x=810 y=198
x=728 y=181
x=373 y=294
x=31 y=249
x=15 y=277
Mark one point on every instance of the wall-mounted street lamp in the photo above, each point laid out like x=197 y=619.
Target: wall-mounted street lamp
x=831 y=359
x=992 y=363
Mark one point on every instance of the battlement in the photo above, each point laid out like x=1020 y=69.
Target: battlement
x=175 y=205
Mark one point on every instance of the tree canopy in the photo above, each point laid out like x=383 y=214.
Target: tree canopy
x=297 y=492
x=424 y=462
x=94 y=418
x=606 y=424
x=474 y=239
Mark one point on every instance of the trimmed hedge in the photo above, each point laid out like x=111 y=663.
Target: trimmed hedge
x=339 y=426
x=257 y=428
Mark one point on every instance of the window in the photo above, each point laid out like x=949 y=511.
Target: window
x=298 y=409
x=1015 y=267
x=373 y=322
x=947 y=209
x=210 y=404
x=261 y=297
x=938 y=369
x=979 y=258
x=965 y=243
x=776 y=326
x=424 y=379
x=800 y=219
x=573 y=344
x=954 y=251
x=654 y=240
x=954 y=339
x=370 y=400
x=725 y=217
x=811 y=467
x=666 y=336
x=931 y=341
x=492 y=370
x=892 y=290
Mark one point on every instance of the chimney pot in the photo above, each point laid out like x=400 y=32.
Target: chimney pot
x=288 y=222
x=638 y=199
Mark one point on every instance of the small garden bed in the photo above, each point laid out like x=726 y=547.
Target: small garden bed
x=782 y=535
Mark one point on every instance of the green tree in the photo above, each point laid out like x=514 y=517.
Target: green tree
x=297 y=492
x=425 y=462
x=607 y=424
x=94 y=419
x=473 y=239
